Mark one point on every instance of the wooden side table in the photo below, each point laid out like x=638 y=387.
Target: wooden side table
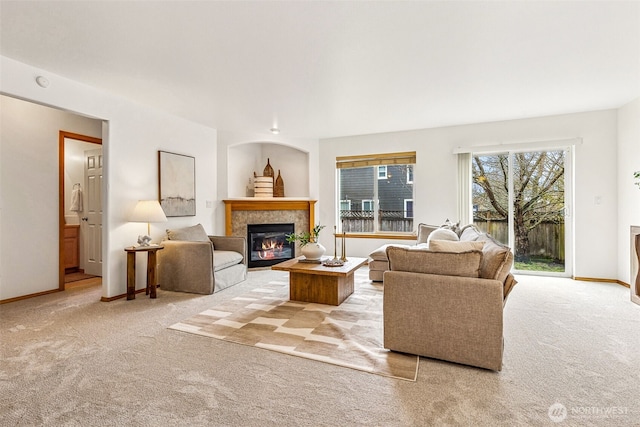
x=152 y=263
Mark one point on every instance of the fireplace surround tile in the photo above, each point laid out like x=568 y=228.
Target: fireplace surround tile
x=241 y=212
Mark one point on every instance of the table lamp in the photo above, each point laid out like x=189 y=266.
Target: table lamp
x=147 y=211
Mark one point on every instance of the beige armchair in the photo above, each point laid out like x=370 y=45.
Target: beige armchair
x=448 y=304
x=194 y=262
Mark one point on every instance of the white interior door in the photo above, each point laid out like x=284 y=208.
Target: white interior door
x=92 y=218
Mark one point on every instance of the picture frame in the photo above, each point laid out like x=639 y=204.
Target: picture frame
x=177 y=184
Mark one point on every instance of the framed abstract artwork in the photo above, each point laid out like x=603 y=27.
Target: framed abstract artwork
x=177 y=183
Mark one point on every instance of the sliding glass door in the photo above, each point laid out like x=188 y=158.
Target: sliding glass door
x=521 y=199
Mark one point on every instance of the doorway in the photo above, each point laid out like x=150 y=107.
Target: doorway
x=522 y=199
x=80 y=209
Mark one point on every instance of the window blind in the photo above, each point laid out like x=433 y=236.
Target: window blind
x=404 y=158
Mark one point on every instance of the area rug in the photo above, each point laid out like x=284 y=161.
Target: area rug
x=348 y=335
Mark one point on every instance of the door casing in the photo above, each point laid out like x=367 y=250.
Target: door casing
x=61 y=137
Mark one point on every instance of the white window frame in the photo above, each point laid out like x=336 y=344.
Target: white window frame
x=371 y=203
x=405 y=208
x=382 y=169
x=410 y=174
x=464 y=188
x=381 y=161
x=348 y=202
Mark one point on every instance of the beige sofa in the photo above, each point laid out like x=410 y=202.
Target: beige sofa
x=378 y=261
x=192 y=261
x=447 y=302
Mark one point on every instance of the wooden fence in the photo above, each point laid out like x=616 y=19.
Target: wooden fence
x=546 y=239
x=363 y=221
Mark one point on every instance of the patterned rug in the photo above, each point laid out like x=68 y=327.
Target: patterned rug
x=348 y=335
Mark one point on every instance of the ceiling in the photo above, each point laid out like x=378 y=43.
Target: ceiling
x=323 y=69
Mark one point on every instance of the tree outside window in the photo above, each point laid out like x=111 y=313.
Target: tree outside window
x=538 y=202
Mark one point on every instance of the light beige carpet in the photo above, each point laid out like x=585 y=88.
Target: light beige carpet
x=68 y=359
x=348 y=335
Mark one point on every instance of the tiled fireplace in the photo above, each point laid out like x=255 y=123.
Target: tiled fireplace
x=240 y=213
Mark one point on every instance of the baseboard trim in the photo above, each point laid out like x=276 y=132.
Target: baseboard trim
x=595 y=279
x=103 y=299
x=109 y=299
x=37 y=294
x=117 y=297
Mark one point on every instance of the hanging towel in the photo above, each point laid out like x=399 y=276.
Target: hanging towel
x=76 y=200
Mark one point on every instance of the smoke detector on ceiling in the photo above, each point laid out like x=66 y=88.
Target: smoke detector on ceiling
x=42 y=81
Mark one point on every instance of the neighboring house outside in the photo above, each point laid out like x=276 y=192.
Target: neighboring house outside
x=394 y=203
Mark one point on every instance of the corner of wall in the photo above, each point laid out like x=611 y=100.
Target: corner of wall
x=628 y=193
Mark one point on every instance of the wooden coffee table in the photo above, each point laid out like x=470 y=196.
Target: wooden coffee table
x=320 y=284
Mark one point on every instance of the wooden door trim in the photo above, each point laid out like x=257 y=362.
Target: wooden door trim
x=61 y=137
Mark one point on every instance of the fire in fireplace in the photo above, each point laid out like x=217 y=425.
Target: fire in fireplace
x=267 y=244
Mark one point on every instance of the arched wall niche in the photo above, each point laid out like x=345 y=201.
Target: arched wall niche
x=246 y=158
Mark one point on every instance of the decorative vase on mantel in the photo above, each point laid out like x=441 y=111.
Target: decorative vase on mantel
x=268 y=170
x=278 y=186
x=313 y=251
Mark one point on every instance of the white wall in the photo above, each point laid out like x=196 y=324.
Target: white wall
x=435 y=176
x=250 y=158
x=29 y=254
x=628 y=193
x=135 y=133
x=131 y=141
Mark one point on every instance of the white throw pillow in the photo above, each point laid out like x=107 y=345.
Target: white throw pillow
x=457 y=247
x=443 y=234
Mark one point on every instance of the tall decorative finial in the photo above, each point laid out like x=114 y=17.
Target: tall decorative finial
x=343 y=258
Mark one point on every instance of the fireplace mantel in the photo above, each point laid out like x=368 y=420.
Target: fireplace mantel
x=266 y=204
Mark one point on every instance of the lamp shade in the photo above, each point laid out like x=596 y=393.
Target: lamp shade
x=148 y=211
